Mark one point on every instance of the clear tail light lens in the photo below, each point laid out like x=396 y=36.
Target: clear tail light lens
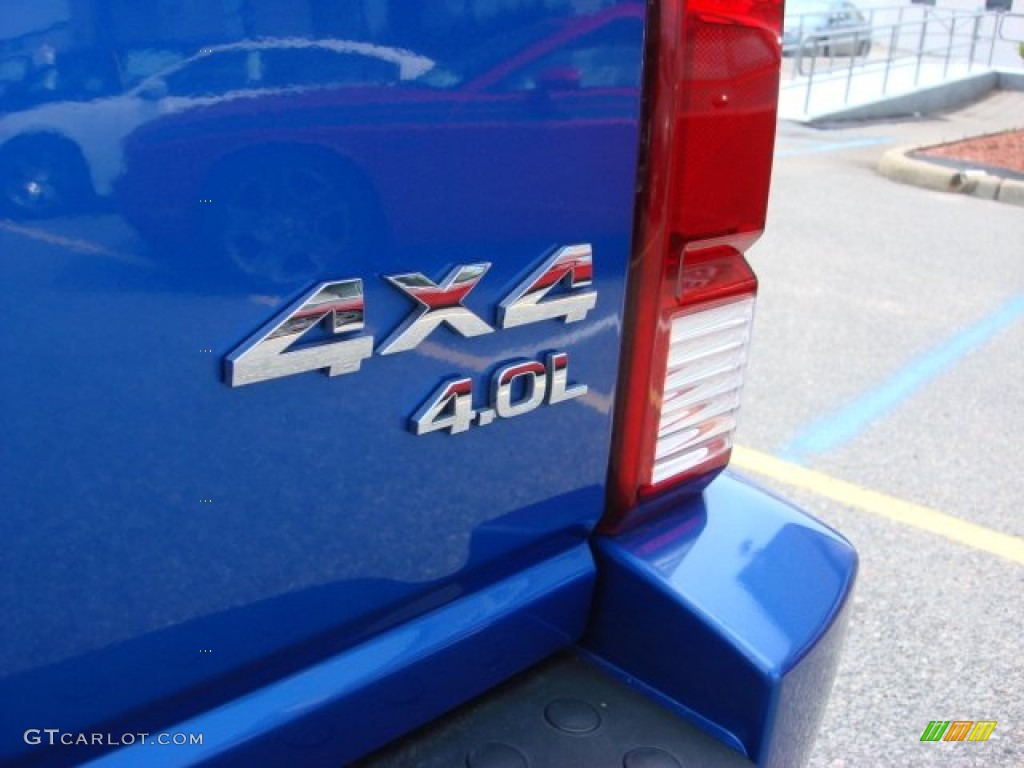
x=706 y=359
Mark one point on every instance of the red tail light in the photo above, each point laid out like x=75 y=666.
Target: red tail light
x=711 y=90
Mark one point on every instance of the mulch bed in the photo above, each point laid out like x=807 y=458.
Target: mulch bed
x=999 y=150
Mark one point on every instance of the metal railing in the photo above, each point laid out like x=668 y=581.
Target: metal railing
x=900 y=48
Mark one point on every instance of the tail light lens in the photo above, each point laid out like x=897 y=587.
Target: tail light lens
x=711 y=90
x=703 y=377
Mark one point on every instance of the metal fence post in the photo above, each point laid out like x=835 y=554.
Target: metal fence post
x=810 y=77
x=893 y=37
x=974 y=41
x=849 y=70
x=949 y=45
x=992 y=46
x=920 y=48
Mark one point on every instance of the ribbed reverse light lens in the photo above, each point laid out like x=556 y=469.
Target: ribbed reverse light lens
x=706 y=358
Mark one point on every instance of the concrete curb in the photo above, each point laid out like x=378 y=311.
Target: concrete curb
x=898 y=166
x=926 y=100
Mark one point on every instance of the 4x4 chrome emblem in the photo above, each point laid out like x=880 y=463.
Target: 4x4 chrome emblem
x=338 y=307
x=439 y=304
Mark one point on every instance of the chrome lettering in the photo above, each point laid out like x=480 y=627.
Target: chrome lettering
x=572 y=265
x=533 y=376
x=516 y=388
x=268 y=354
x=439 y=304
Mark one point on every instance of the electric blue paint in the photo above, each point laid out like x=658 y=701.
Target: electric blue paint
x=833 y=146
x=837 y=428
x=336 y=710
x=176 y=174
x=732 y=609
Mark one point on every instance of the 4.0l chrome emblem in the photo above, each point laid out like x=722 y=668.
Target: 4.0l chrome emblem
x=450 y=407
x=338 y=308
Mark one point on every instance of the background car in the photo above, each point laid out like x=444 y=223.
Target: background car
x=825 y=28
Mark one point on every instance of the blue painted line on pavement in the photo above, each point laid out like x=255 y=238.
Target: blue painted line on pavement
x=832 y=146
x=850 y=420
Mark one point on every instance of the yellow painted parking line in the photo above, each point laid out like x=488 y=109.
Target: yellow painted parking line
x=914 y=515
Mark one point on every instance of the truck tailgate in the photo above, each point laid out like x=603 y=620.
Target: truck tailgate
x=436 y=215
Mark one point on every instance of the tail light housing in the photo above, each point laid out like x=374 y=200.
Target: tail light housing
x=710 y=100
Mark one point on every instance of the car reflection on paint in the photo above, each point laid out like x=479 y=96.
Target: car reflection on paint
x=284 y=185
x=60 y=147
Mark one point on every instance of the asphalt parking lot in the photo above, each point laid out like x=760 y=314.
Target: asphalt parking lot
x=886 y=395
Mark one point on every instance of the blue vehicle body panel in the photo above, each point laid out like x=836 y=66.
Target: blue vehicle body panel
x=341 y=708
x=285 y=566
x=173 y=542
x=731 y=611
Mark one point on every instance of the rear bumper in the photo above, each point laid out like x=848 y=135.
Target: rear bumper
x=728 y=611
